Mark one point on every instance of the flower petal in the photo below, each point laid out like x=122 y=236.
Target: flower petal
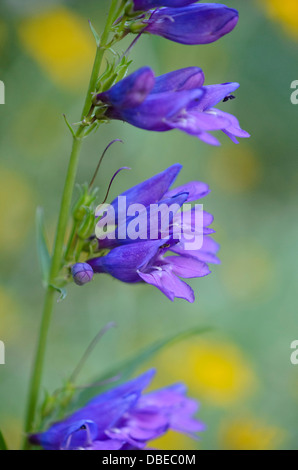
x=207 y=253
x=148 y=192
x=214 y=94
x=189 y=124
x=108 y=444
x=189 y=78
x=195 y=189
x=187 y=267
x=233 y=128
x=168 y=284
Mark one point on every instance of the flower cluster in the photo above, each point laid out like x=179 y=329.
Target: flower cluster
x=176 y=100
x=179 y=234
x=123 y=418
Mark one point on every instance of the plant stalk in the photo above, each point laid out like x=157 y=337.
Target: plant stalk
x=58 y=251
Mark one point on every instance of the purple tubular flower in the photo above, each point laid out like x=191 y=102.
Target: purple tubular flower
x=195 y=24
x=124 y=418
x=82 y=273
x=124 y=262
x=146 y=259
x=143 y=5
x=176 y=100
x=156 y=109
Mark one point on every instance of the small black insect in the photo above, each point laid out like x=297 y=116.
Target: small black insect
x=83 y=427
x=229 y=97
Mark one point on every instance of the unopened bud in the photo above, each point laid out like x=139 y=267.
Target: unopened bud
x=82 y=273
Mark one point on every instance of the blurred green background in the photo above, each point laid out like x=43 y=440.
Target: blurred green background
x=241 y=371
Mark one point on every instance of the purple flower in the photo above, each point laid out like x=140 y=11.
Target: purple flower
x=176 y=100
x=185 y=236
x=146 y=261
x=154 y=107
x=202 y=23
x=143 y=5
x=124 y=418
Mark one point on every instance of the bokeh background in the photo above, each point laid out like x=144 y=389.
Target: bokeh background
x=240 y=371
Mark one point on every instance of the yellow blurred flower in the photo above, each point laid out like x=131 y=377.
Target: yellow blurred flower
x=12 y=430
x=286 y=13
x=248 y=271
x=17 y=210
x=250 y=434
x=215 y=371
x=174 y=441
x=235 y=172
x=61 y=42
x=9 y=311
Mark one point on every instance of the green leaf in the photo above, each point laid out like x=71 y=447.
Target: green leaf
x=62 y=291
x=95 y=34
x=69 y=126
x=3 y=445
x=126 y=369
x=42 y=247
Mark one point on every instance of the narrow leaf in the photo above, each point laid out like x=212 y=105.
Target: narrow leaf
x=69 y=126
x=62 y=291
x=3 y=445
x=95 y=34
x=42 y=247
x=127 y=368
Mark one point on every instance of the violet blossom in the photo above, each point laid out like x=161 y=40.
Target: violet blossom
x=176 y=100
x=124 y=418
x=180 y=249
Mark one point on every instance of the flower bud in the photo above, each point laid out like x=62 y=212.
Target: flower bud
x=82 y=273
x=196 y=24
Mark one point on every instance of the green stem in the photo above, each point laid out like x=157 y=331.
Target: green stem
x=71 y=243
x=50 y=293
x=57 y=257
x=101 y=48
